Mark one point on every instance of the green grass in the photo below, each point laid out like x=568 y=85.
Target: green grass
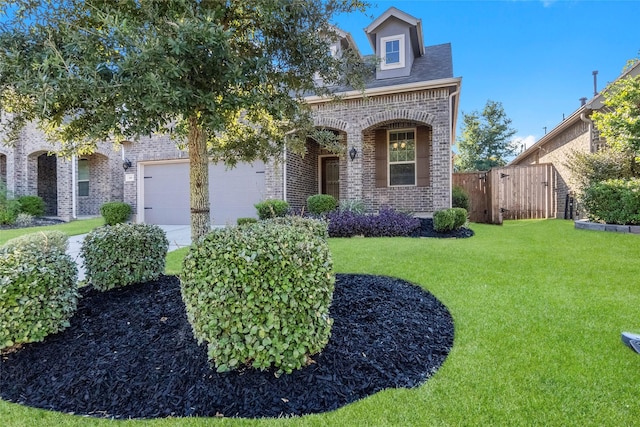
x=538 y=309
x=70 y=228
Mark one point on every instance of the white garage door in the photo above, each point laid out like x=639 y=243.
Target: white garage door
x=232 y=192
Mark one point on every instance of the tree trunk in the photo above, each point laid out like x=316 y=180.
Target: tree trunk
x=198 y=180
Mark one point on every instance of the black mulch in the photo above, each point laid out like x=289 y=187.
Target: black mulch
x=130 y=353
x=427 y=230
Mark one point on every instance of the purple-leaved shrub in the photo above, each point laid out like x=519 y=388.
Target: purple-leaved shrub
x=388 y=223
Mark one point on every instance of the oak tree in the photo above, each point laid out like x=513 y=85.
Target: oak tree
x=485 y=140
x=228 y=77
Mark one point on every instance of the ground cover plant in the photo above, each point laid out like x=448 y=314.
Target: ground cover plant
x=538 y=308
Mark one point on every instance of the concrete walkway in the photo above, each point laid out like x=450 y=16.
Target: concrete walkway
x=179 y=236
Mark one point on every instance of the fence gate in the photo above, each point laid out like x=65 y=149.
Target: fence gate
x=515 y=192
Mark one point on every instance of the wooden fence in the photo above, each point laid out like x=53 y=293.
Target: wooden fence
x=515 y=192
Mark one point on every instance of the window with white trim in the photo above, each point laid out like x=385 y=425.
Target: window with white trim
x=392 y=52
x=83 y=177
x=402 y=157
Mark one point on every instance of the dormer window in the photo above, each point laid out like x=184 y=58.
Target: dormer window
x=392 y=52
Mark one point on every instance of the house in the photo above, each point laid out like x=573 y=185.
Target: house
x=397 y=138
x=574 y=133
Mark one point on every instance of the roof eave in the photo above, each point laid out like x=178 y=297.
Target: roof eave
x=385 y=90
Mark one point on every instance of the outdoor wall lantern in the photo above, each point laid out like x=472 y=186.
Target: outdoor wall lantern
x=126 y=164
x=353 y=153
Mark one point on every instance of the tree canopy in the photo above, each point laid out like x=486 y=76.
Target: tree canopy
x=227 y=77
x=485 y=140
x=619 y=121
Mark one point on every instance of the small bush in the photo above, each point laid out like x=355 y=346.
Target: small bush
x=259 y=295
x=615 y=201
x=353 y=205
x=388 y=223
x=272 y=208
x=124 y=254
x=24 y=220
x=444 y=220
x=320 y=204
x=38 y=294
x=459 y=198
x=40 y=241
x=115 y=212
x=9 y=207
x=32 y=205
x=247 y=220
x=317 y=227
x=460 y=215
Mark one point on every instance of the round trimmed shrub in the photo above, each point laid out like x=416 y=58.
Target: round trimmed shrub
x=459 y=198
x=115 y=212
x=317 y=227
x=124 y=254
x=460 y=215
x=259 y=295
x=32 y=205
x=320 y=204
x=444 y=220
x=272 y=208
x=40 y=241
x=38 y=293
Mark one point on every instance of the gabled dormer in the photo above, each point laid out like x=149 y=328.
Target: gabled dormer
x=396 y=39
x=341 y=41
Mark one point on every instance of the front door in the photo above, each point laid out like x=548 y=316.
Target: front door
x=330 y=176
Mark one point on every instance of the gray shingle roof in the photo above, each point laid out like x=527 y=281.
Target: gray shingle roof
x=434 y=65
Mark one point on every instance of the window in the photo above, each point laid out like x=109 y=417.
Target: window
x=402 y=157
x=83 y=177
x=392 y=52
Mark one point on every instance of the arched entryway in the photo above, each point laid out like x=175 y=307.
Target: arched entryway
x=47 y=182
x=318 y=171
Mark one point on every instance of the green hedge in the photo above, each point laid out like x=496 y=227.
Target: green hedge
x=38 y=293
x=320 y=204
x=115 y=212
x=259 y=295
x=32 y=205
x=124 y=254
x=615 y=201
x=272 y=208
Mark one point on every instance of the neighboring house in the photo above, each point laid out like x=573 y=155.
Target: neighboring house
x=574 y=133
x=400 y=133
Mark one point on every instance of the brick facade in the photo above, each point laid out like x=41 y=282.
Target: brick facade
x=358 y=119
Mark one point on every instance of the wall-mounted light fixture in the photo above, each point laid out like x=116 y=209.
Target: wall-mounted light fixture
x=126 y=164
x=353 y=153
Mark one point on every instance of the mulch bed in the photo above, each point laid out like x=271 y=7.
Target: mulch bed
x=130 y=353
x=427 y=230
x=37 y=222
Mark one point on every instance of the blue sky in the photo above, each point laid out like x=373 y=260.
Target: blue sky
x=536 y=57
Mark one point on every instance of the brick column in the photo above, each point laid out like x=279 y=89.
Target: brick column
x=355 y=166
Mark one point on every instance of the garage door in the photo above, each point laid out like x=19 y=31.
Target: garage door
x=232 y=192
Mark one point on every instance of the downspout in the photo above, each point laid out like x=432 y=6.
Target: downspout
x=452 y=126
x=74 y=186
x=584 y=118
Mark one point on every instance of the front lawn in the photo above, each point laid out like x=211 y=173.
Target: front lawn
x=72 y=228
x=538 y=309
